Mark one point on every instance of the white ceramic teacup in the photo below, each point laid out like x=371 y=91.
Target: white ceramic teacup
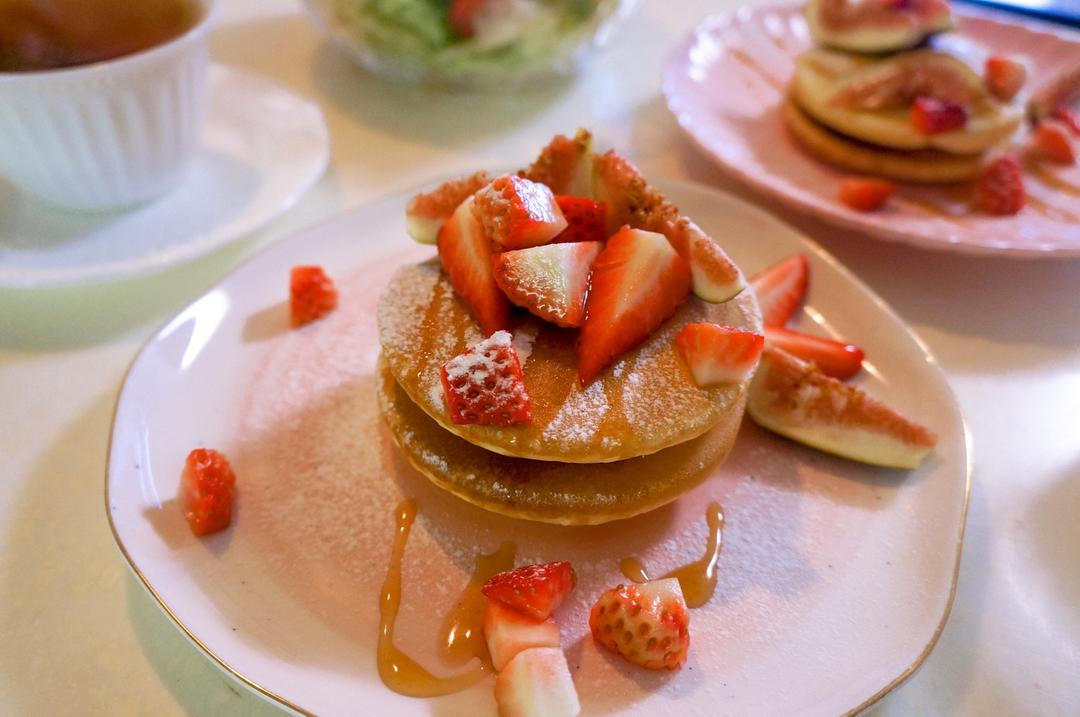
x=110 y=134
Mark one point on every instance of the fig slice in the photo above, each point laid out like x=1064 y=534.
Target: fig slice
x=876 y=25
x=923 y=73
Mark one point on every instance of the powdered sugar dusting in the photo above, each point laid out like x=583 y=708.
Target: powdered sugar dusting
x=524 y=336
x=581 y=415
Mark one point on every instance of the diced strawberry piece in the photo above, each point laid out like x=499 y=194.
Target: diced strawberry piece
x=834 y=358
x=550 y=281
x=999 y=188
x=508 y=632
x=312 y=294
x=466 y=258
x=534 y=590
x=517 y=213
x=1005 y=76
x=207 y=491
x=463 y=15
x=933 y=116
x=1069 y=117
x=484 y=385
x=585 y=219
x=1052 y=140
x=865 y=195
x=781 y=288
x=637 y=282
x=719 y=354
x=537 y=683
x=648 y=624
x=426 y=213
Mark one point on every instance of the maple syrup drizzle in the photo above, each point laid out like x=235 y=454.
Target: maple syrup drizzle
x=398 y=671
x=1050 y=211
x=697 y=579
x=932 y=207
x=462 y=634
x=1050 y=179
x=745 y=59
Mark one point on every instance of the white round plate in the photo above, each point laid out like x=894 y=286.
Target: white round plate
x=262 y=147
x=835 y=578
x=724 y=83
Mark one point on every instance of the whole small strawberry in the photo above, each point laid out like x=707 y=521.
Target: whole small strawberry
x=312 y=294
x=999 y=188
x=648 y=624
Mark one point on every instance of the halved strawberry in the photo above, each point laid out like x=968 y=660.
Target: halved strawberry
x=1052 y=140
x=584 y=219
x=1065 y=114
x=426 y=213
x=865 y=195
x=999 y=188
x=834 y=358
x=781 y=288
x=485 y=386
x=517 y=213
x=312 y=294
x=534 y=590
x=1005 y=76
x=719 y=354
x=648 y=624
x=933 y=116
x=637 y=282
x=550 y=281
x=466 y=258
x=207 y=491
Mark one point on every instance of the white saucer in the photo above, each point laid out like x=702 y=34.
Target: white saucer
x=262 y=147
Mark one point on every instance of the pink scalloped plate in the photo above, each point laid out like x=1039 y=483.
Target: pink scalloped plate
x=725 y=82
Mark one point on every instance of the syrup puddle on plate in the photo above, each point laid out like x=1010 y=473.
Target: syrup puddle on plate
x=462 y=634
x=398 y=671
x=697 y=579
x=1052 y=180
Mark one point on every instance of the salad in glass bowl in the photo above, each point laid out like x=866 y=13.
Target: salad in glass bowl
x=473 y=43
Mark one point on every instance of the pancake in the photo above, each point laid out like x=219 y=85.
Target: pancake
x=547 y=491
x=919 y=166
x=645 y=402
x=821 y=74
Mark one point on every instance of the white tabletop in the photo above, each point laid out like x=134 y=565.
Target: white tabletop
x=79 y=635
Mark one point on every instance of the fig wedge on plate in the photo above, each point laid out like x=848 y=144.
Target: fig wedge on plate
x=876 y=25
x=793 y=398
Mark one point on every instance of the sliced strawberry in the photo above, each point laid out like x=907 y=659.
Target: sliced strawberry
x=466 y=258
x=584 y=219
x=999 y=188
x=207 y=491
x=312 y=294
x=550 y=281
x=648 y=624
x=719 y=354
x=637 y=282
x=517 y=213
x=933 y=116
x=834 y=358
x=865 y=195
x=1005 y=76
x=1052 y=140
x=781 y=288
x=427 y=212
x=534 y=590
x=485 y=386
x=1065 y=114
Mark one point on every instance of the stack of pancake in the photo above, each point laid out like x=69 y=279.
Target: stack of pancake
x=633 y=439
x=850 y=100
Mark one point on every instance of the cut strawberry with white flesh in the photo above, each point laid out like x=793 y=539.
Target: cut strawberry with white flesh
x=719 y=354
x=781 y=288
x=565 y=165
x=517 y=213
x=793 y=398
x=637 y=282
x=466 y=258
x=586 y=219
x=715 y=278
x=537 y=683
x=834 y=358
x=484 y=385
x=648 y=624
x=427 y=212
x=509 y=632
x=550 y=281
